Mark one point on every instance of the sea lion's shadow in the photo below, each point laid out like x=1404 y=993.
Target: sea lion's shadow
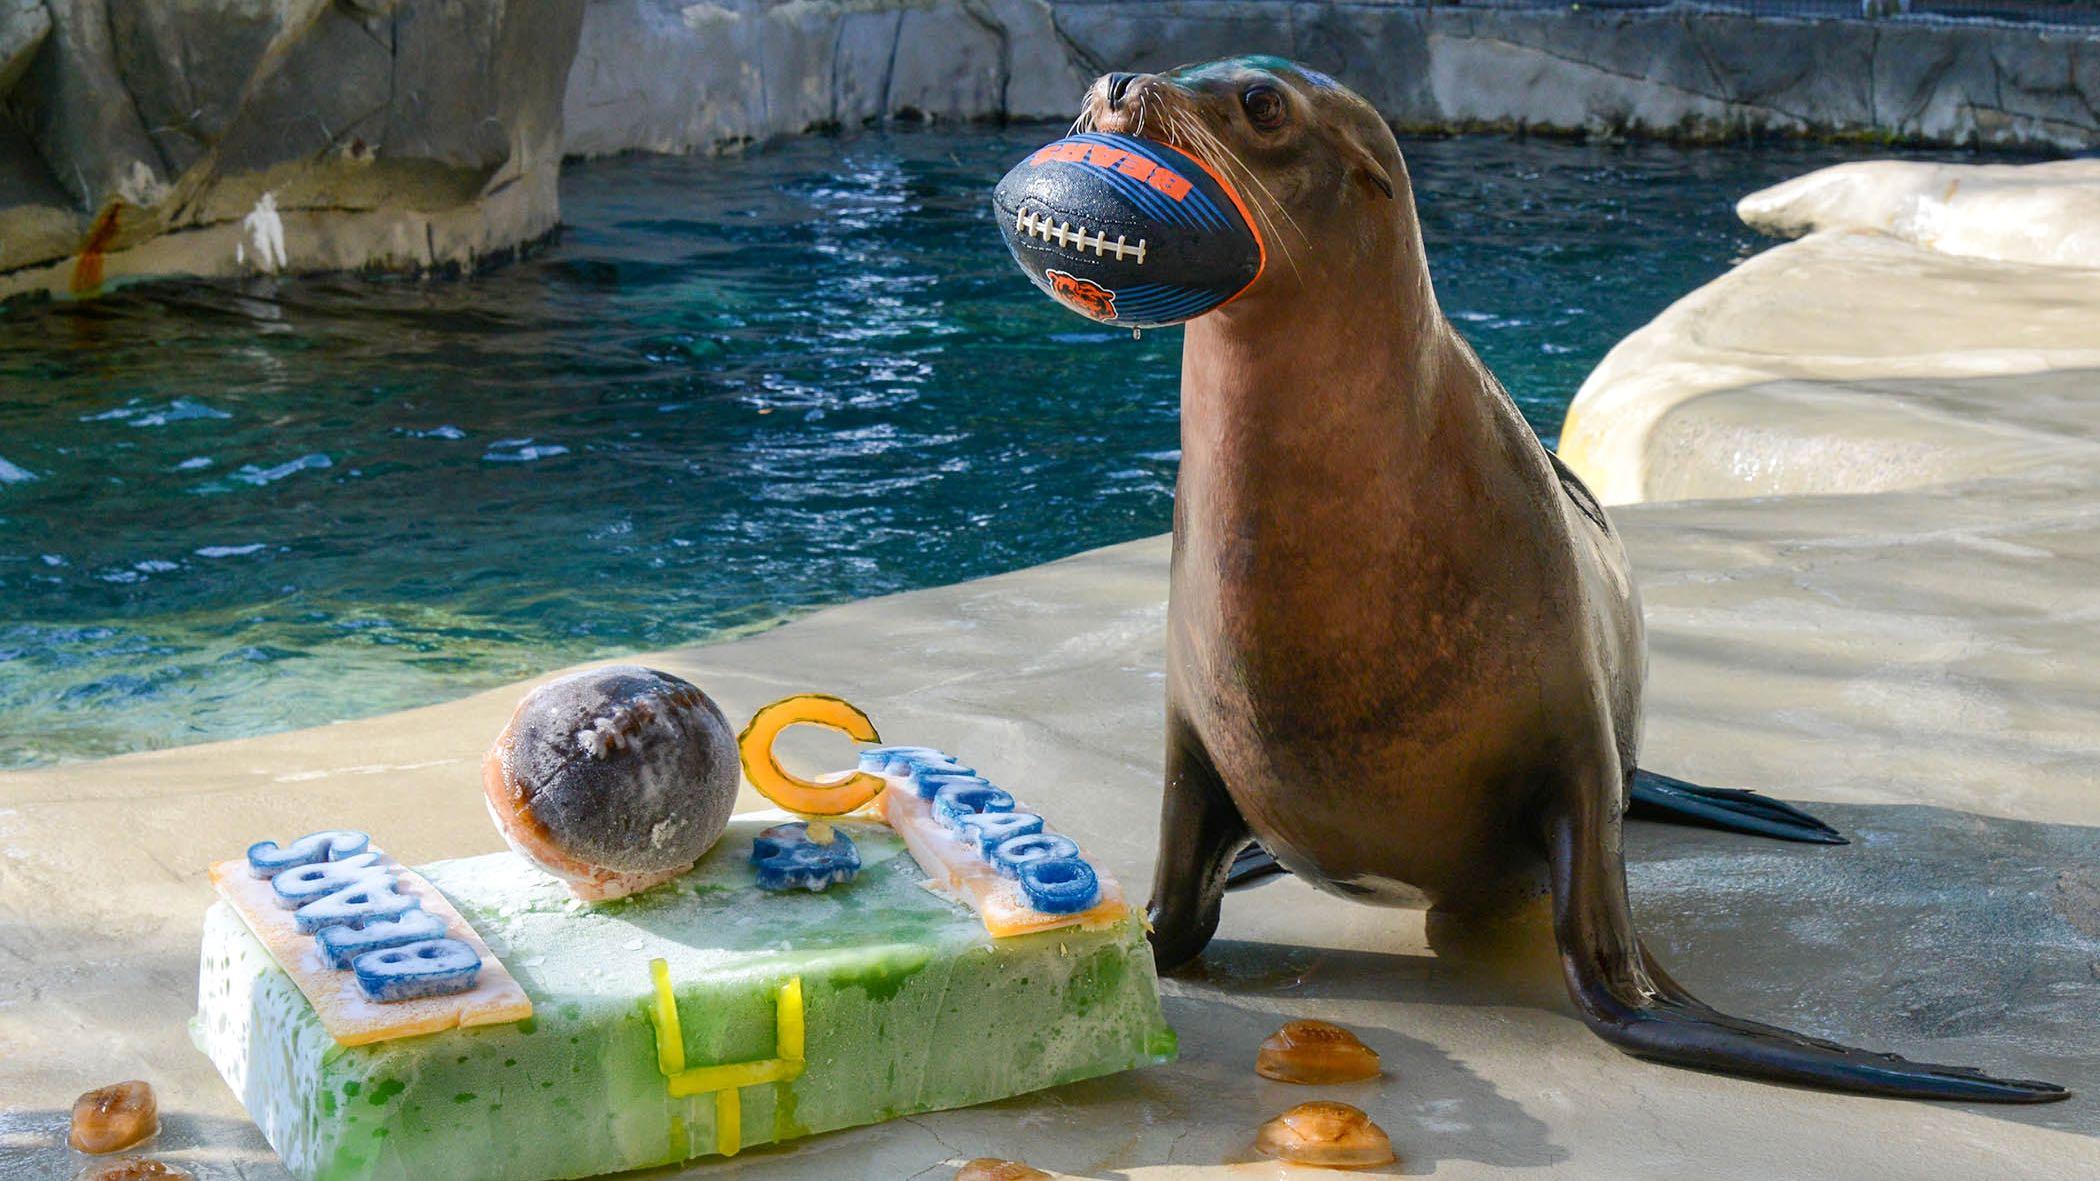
x=1434 y=1106
x=1941 y=935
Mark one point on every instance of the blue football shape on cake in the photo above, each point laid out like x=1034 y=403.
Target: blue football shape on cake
x=433 y=967
x=266 y=859
x=297 y=887
x=1126 y=231
x=376 y=898
x=788 y=859
x=1060 y=885
x=343 y=943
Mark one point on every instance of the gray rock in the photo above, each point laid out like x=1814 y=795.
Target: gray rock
x=75 y=105
x=650 y=77
x=947 y=64
x=302 y=135
x=23 y=26
x=1384 y=55
x=1044 y=74
x=184 y=66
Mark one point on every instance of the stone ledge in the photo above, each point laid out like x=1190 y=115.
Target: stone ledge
x=154 y=137
x=1906 y=667
x=2046 y=214
x=1848 y=361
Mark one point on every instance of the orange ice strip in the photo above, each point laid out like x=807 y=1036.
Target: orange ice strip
x=955 y=867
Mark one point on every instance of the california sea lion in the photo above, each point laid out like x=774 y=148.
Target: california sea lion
x=1404 y=646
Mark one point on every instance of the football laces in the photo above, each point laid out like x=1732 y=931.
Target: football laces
x=1078 y=239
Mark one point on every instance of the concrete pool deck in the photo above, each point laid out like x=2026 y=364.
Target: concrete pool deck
x=1917 y=659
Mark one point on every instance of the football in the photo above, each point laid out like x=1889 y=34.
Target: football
x=1127 y=231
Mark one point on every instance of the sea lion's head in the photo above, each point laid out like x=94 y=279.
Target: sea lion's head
x=1312 y=161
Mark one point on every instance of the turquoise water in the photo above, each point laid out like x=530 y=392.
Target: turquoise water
x=734 y=390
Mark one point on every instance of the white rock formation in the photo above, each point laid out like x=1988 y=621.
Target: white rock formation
x=2048 y=214
x=1918 y=340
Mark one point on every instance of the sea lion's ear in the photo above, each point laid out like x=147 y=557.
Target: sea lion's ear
x=1361 y=158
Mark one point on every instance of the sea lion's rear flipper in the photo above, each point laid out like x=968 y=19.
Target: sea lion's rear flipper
x=1673 y=801
x=1200 y=832
x=1252 y=866
x=1629 y=1001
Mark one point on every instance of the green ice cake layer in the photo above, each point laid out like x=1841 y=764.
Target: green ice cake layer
x=909 y=1006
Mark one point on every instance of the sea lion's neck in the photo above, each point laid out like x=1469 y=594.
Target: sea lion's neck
x=1324 y=408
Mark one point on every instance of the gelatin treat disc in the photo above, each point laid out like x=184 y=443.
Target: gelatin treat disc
x=115 y=1117
x=1334 y=1135
x=1315 y=1053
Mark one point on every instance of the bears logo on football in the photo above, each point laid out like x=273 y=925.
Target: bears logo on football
x=1084 y=296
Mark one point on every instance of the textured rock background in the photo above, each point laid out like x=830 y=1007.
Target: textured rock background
x=650 y=73
x=216 y=136
x=410 y=134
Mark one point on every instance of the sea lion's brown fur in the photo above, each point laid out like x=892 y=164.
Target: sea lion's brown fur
x=1404 y=646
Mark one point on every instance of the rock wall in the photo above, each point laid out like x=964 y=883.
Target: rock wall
x=221 y=137
x=672 y=76
x=224 y=137
x=668 y=75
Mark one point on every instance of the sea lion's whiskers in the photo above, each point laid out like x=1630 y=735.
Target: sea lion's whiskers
x=1217 y=153
x=1270 y=206
x=1233 y=160
x=1207 y=146
x=1085 y=120
x=1204 y=145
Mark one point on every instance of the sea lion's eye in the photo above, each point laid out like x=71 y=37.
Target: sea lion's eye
x=1265 y=107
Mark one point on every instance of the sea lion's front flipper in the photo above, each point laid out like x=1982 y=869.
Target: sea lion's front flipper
x=1629 y=1001
x=1200 y=831
x=1660 y=797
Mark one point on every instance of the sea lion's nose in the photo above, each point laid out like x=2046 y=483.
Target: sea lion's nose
x=1117 y=85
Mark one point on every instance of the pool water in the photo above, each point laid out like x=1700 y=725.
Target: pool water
x=733 y=390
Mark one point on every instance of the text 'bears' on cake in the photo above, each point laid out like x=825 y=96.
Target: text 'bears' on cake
x=377 y=952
